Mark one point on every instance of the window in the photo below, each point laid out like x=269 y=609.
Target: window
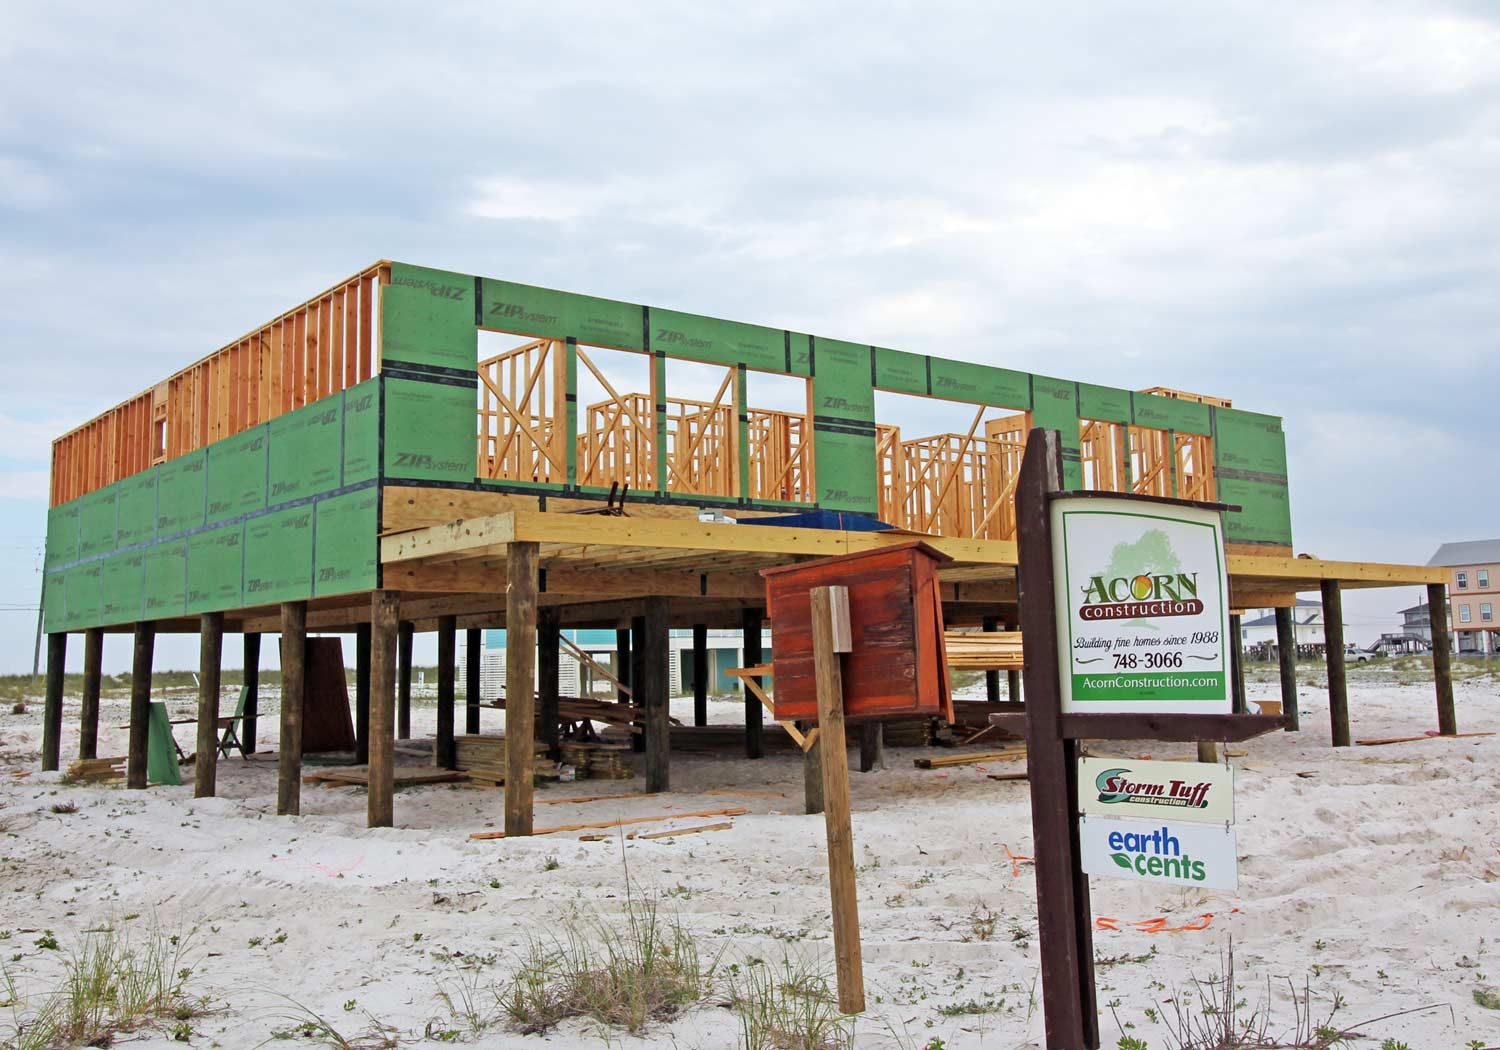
x=1463 y=614
x=1484 y=578
x=1463 y=580
x=1485 y=612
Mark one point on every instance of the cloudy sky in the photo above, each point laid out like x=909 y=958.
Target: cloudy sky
x=1289 y=204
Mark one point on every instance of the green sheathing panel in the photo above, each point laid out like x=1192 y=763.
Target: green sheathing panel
x=237 y=474
x=278 y=556
x=981 y=384
x=1250 y=462
x=1055 y=406
x=97 y=521
x=1170 y=413
x=1249 y=443
x=62 y=533
x=54 y=601
x=527 y=310
x=427 y=319
x=346 y=543
x=1265 y=515
x=361 y=432
x=215 y=561
x=844 y=426
x=800 y=347
x=429 y=431
x=136 y=508
x=83 y=594
x=165 y=590
x=900 y=372
x=305 y=453
x=181 y=493
x=122 y=581
x=1104 y=403
x=693 y=338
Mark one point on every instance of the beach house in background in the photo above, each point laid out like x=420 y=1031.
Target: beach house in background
x=1473 y=593
x=1259 y=625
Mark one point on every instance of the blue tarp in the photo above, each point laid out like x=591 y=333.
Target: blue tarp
x=823 y=519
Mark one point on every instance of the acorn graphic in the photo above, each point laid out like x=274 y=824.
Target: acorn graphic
x=1140 y=587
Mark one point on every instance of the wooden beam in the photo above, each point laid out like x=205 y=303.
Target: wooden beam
x=385 y=613
x=1442 y=661
x=140 y=704
x=403 y=683
x=549 y=668
x=700 y=674
x=1333 y=648
x=52 y=705
x=1286 y=656
x=293 y=689
x=871 y=747
x=444 y=751
x=473 y=668
x=520 y=673
x=655 y=644
x=1237 y=665
x=991 y=677
x=362 y=694
x=88 y=720
x=210 y=660
x=252 y=691
x=750 y=656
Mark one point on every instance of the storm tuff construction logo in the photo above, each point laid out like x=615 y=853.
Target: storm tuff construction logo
x=1116 y=786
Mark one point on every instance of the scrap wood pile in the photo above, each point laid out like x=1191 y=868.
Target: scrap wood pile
x=96 y=770
x=983 y=650
x=597 y=760
x=482 y=756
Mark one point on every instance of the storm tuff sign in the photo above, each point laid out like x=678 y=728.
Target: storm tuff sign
x=1142 y=607
x=1199 y=792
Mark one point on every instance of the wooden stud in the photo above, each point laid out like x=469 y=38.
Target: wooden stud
x=210 y=653
x=473 y=668
x=834 y=761
x=385 y=613
x=1442 y=660
x=88 y=722
x=361 y=694
x=549 y=667
x=652 y=694
x=444 y=750
x=1338 y=685
x=140 y=704
x=252 y=691
x=403 y=698
x=700 y=674
x=871 y=747
x=1286 y=656
x=520 y=673
x=293 y=689
x=52 y=707
x=750 y=656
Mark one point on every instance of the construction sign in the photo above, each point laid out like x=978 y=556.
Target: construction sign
x=1199 y=792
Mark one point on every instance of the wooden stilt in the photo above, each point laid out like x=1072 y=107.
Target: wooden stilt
x=1442 y=660
x=252 y=691
x=1286 y=656
x=991 y=678
x=1237 y=665
x=520 y=673
x=1208 y=751
x=444 y=751
x=140 y=704
x=57 y=655
x=812 y=773
x=210 y=661
x=473 y=668
x=834 y=761
x=88 y=721
x=403 y=698
x=1338 y=686
x=548 y=667
x=871 y=747
x=637 y=678
x=361 y=694
x=700 y=674
x=751 y=657
x=653 y=695
x=293 y=687
x=1013 y=678
x=623 y=663
x=385 y=615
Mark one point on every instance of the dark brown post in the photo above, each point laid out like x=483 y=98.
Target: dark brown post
x=812 y=773
x=1237 y=665
x=1286 y=656
x=362 y=694
x=444 y=751
x=140 y=704
x=637 y=681
x=751 y=655
x=622 y=662
x=871 y=746
x=1338 y=686
x=385 y=616
x=57 y=656
x=1442 y=660
x=548 y=669
x=88 y=722
x=473 y=667
x=210 y=659
x=654 y=643
x=403 y=698
x=252 y=692
x=293 y=687
x=520 y=684
x=1013 y=678
x=1067 y=953
x=991 y=678
x=700 y=674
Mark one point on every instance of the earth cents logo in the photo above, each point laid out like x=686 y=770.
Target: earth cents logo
x=1158 y=853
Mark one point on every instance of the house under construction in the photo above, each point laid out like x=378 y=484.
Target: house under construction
x=358 y=464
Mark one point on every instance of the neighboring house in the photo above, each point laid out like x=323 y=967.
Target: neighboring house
x=1415 y=635
x=1473 y=593
x=1258 y=626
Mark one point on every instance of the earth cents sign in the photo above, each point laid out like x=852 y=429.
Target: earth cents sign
x=1184 y=854
x=1142 y=607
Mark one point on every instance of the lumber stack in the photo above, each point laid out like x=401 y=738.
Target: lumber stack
x=404 y=776
x=597 y=761
x=482 y=756
x=96 y=770
x=983 y=650
x=970 y=758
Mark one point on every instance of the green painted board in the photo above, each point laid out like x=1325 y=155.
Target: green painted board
x=62 y=533
x=161 y=750
x=237 y=474
x=846 y=471
x=166 y=580
x=429 y=431
x=278 y=556
x=136 y=508
x=1171 y=413
x=526 y=310
x=215 y=562
x=96 y=522
x=121 y=584
x=841 y=383
x=1266 y=515
x=1105 y=403
x=900 y=372
x=980 y=384
x=346 y=547
x=181 y=493
x=693 y=338
x=427 y=318
x=361 y=432
x=305 y=456
x=1249 y=442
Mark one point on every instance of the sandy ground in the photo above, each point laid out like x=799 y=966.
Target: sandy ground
x=1373 y=873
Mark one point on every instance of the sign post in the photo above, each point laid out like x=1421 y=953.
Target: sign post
x=1123 y=604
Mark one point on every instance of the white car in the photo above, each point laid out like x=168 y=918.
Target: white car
x=1355 y=655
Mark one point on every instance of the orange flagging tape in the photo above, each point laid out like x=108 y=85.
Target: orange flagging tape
x=1157 y=925
x=1015 y=861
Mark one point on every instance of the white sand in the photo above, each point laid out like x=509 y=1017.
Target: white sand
x=1377 y=877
